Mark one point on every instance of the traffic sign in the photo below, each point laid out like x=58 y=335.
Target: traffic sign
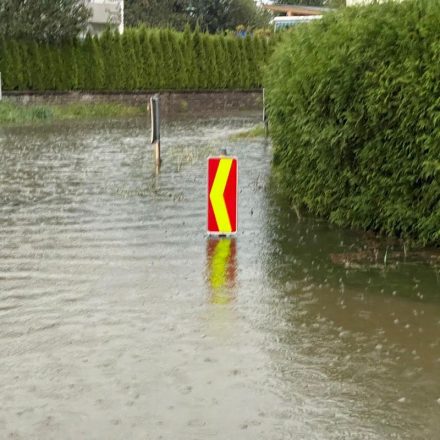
x=222 y=195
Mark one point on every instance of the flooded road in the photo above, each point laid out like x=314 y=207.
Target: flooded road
x=119 y=319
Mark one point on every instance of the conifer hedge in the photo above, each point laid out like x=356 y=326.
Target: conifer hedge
x=354 y=106
x=140 y=59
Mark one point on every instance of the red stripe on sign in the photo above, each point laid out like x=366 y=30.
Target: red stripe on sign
x=230 y=196
x=212 y=171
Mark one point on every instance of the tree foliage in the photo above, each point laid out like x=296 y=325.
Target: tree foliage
x=211 y=15
x=156 y=13
x=220 y=15
x=140 y=59
x=324 y=3
x=355 y=118
x=301 y=2
x=42 y=20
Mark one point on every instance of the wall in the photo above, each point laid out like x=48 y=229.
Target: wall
x=206 y=101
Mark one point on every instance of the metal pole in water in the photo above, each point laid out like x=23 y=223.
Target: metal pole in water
x=155 y=127
x=265 y=120
x=0 y=86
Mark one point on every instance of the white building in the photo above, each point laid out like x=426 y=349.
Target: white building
x=105 y=13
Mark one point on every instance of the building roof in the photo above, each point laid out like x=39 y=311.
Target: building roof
x=299 y=10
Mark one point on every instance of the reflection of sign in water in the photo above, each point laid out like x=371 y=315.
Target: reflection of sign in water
x=221 y=268
x=222 y=195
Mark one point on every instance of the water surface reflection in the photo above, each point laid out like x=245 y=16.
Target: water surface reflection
x=373 y=330
x=221 y=256
x=119 y=319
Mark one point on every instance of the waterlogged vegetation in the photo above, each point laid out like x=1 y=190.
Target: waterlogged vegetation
x=11 y=114
x=353 y=106
x=254 y=132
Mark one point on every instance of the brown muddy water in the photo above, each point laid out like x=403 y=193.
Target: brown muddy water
x=120 y=320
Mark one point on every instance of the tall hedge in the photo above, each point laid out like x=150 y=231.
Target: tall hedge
x=140 y=59
x=354 y=107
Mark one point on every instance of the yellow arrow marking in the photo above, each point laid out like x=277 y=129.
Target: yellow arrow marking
x=216 y=195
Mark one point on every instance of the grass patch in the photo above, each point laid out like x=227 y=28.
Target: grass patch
x=14 y=114
x=255 y=132
x=11 y=113
x=97 y=110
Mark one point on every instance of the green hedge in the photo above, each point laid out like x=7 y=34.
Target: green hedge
x=140 y=59
x=354 y=106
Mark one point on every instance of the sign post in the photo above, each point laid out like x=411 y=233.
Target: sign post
x=265 y=121
x=222 y=197
x=155 y=127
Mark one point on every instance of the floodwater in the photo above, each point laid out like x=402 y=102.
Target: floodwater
x=119 y=319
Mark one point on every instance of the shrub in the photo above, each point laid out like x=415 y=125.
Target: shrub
x=148 y=63
x=234 y=80
x=130 y=73
x=159 y=80
x=140 y=59
x=353 y=103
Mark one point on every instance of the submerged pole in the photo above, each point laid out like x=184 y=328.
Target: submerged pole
x=155 y=128
x=265 y=120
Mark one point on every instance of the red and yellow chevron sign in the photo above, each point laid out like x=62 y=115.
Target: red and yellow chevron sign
x=222 y=195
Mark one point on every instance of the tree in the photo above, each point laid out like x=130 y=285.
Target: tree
x=128 y=42
x=180 y=80
x=148 y=63
x=59 y=77
x=70 y=65
x=301 y=2
x=234 y=81
x=260 y=59
x=245 y=79
x=212 y=68
x=156 y=13
x=15 y=68
x=43 y=20
x=325 y=3
x=94 y=66
x=189 y=58
x=222 y=63
x=200 y=66
x=167 y=57
x=107 y=47
x=159 y=79
x=251 y=57
x=118 y=62
x=212 y=15
x=220 y=15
